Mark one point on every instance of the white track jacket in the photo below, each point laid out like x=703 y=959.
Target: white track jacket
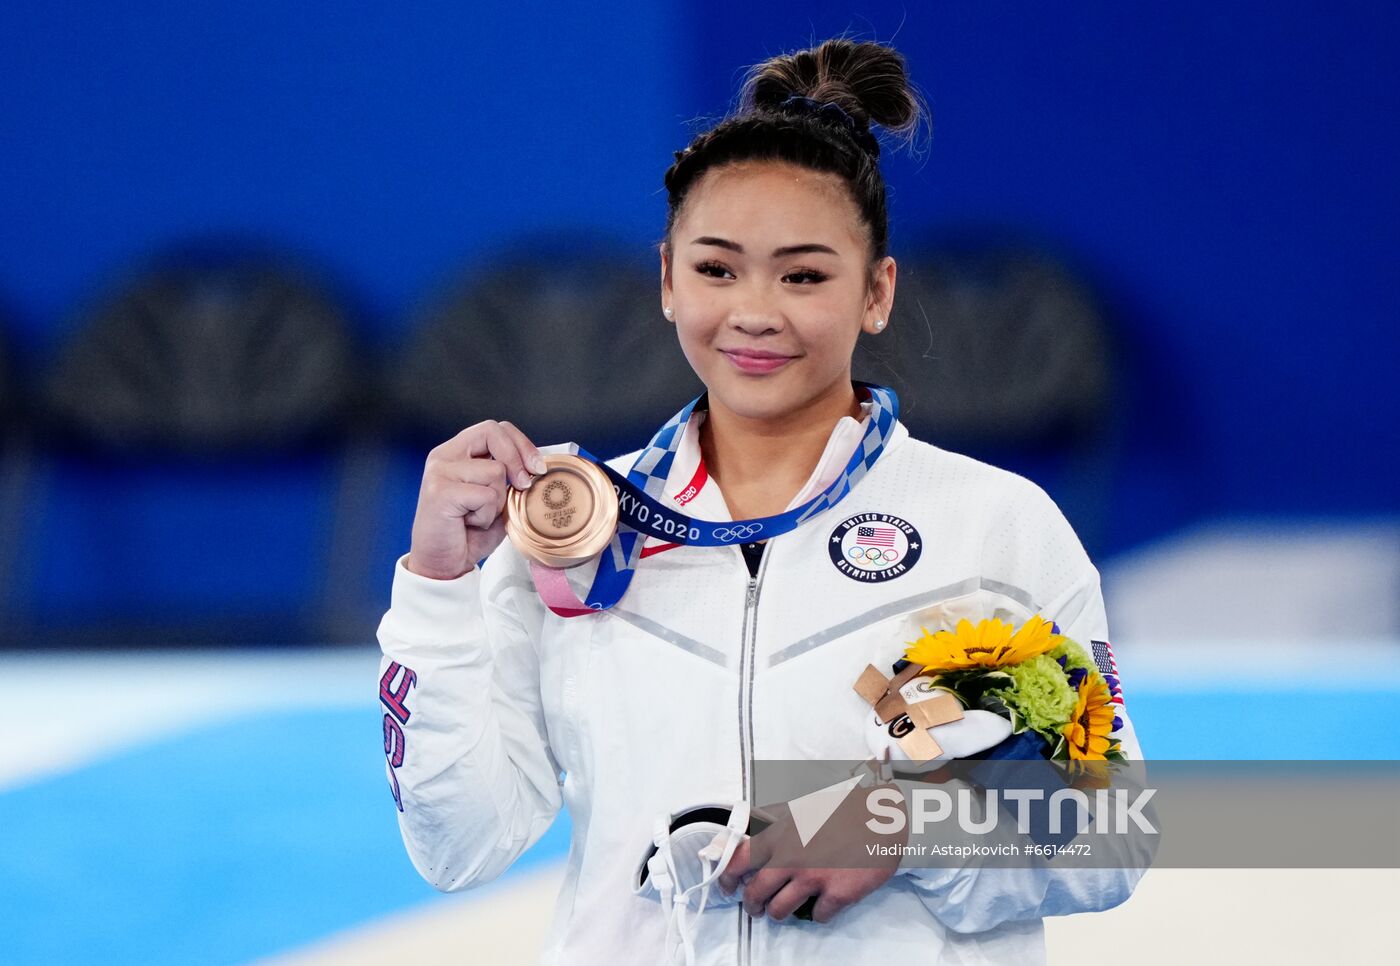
x=497 y=711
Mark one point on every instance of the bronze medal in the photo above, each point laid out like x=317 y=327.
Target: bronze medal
x=567 y=516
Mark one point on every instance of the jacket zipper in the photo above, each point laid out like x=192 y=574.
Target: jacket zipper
x=746 y=662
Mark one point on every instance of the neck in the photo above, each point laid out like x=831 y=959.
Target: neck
x=760 y=464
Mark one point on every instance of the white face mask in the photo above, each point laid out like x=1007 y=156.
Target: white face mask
x=691 y=849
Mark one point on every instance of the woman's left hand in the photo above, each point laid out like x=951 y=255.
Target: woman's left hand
x=779 y=892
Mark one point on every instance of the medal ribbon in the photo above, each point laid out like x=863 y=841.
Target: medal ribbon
x=641 y=513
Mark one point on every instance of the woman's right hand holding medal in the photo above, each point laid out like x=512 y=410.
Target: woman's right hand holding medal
x=465 y=482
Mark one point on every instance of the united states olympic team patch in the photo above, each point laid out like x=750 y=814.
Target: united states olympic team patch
x=871 y=547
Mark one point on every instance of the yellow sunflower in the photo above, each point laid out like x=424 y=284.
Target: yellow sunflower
x=1092 y=721
x=988 y=644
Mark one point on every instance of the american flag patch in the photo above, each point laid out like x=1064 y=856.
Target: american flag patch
x=1108 y=667
x=876 y=536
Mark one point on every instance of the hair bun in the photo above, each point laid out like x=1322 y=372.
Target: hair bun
x=867 y=80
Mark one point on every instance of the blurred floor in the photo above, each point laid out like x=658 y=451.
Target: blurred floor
x=1175 y=916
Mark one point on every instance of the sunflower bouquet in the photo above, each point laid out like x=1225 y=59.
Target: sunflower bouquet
x=1042 y=682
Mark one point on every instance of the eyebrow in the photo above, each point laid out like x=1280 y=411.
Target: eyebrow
x=777 y=252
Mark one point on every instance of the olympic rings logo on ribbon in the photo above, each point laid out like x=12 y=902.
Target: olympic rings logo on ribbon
x=742 y=532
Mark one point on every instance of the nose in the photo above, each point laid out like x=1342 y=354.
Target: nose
x=757 y=315
x=750 y=324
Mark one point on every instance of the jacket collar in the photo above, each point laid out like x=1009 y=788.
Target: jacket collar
x=709 y=503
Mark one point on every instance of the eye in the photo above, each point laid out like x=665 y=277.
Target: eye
x=712 y=269
x=808 y=276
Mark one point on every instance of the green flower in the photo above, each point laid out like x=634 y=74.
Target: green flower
x=1074 y=655
x=1040 y=693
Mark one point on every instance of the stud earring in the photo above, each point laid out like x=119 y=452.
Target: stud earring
x=879 y=324
x=669 y=312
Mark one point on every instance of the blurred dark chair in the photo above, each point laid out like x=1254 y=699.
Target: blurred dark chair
x=569 y=346
x=16 y=460
x=196 y=457
x=1001 y=353
x=206 y=354
x=8 y=392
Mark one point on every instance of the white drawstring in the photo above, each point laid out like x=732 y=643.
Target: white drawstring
x=663 y=877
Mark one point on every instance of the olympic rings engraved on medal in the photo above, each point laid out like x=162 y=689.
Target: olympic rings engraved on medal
x=556 y=494
x=742 y=532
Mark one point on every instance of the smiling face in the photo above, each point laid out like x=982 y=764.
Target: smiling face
x=769 y=280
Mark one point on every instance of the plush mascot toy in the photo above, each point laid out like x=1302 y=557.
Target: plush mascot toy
x=922 y=725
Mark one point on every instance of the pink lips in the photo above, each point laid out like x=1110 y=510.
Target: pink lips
x=756 y=361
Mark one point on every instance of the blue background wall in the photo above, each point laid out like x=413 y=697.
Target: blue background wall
x=391 y=147
x=1223 y=175
x=1226 y=175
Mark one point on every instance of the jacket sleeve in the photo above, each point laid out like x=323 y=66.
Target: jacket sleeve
x=1030 y=542
x=468 y=760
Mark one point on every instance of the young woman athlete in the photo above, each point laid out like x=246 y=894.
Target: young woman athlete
x=497 y=710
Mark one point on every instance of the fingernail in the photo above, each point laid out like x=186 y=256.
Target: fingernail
x=537 y=465
x=523 y=480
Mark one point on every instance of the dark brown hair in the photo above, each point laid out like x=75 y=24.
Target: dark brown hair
x=778 y=121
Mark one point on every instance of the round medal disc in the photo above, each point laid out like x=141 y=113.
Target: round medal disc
x=568 y=514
